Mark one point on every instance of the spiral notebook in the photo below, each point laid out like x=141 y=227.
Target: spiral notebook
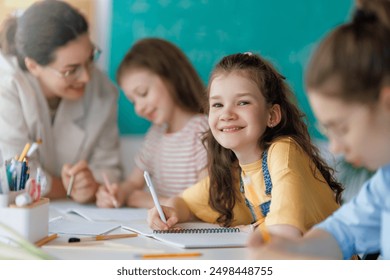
x=195 y=235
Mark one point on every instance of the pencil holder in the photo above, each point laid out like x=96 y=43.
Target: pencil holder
x=30 y=221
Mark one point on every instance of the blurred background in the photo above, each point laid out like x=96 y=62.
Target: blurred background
x=283 y=31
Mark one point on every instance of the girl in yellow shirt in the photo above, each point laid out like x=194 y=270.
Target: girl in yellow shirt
x=263 y=168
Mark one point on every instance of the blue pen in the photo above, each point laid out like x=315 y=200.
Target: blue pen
x=154 y=195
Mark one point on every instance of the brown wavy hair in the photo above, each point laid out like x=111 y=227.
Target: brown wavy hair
x=353 y=61
x=42 y=29
x=168 y=62
x=223 y=164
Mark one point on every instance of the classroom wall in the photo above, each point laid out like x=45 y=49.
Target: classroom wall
x=283 y=31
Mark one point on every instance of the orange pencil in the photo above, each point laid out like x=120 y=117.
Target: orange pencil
x=265 y=235
x=171 y=255
x=24 y=153
x=45 y=240
x=102 y=237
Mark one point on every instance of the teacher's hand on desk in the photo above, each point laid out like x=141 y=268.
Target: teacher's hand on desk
x=83 y=185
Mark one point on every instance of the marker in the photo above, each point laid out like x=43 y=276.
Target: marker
x=170 y=255
x=154 y=195
x=102 y=237
x=70 y=186
x=108 y=186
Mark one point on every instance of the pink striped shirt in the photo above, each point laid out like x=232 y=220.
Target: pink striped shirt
x=174 y=160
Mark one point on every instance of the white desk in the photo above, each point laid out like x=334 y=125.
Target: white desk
x=126 y=248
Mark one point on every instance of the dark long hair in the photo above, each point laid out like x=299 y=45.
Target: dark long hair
x=43 y=28
x=168 y=62
x=353 y=62
x=223 y=164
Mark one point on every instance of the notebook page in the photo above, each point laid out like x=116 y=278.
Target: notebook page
x=201 y=240
x=110 y=214
x=91 y=212
x=204 y=240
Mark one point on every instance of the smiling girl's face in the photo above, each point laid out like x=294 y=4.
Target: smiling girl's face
x=149 y=94
x=238 y=115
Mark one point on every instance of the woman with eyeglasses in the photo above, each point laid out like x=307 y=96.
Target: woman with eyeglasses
x=50 y=90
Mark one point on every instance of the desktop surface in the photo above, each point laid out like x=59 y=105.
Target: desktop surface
x=120 y=249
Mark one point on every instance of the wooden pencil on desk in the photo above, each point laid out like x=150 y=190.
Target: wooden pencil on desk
x=102 y=237
x=45 y=240
x=170 y=255
x=115 y=236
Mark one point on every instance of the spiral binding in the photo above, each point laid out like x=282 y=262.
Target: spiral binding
x=198 y=230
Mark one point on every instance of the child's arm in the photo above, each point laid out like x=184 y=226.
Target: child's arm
x=142 y=199
x=175 y=211
x=316 y=244
x=287 y=231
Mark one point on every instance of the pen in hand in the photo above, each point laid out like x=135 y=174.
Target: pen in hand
x=108 y=187
x=70 y=186
x=154 y=196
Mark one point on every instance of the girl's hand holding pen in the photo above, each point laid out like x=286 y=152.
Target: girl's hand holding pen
x=83 y=185
x=155 y=221
x=109 y=197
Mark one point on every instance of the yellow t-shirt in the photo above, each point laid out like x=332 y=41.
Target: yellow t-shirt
x=298 y=198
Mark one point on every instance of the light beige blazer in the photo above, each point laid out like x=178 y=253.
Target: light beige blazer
x=84 y=129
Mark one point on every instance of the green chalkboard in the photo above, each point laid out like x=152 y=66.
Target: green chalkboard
x=284 y=31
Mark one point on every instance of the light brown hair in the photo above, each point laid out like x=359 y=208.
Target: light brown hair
x=223 y=164
x=168 y=62
x=43 y=28
x=353 y=62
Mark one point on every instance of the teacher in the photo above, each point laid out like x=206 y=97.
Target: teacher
x=50 y=90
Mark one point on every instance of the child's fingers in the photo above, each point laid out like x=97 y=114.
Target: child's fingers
x=113 y=189
x=79 y=166
x=103 y=198
x=155 y=221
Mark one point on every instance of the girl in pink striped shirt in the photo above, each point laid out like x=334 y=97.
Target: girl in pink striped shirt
x=165 y=89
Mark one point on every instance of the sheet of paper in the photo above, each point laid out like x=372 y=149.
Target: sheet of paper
x=110 y=214
x=63 y=226
x=92 y=213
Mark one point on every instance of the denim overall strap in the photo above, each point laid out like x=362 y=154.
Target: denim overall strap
x=268 y=188
x=247 y=202
x=268 y=183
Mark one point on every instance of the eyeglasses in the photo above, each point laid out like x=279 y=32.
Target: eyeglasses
x=334 y=132
x=75 y=73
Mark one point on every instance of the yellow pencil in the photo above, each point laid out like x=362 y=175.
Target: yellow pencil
x=25 y=150
x=45 y=240
x=265 y=235
x=171 y=255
